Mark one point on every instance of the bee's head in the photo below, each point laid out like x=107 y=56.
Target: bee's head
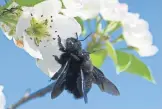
x=73 y=44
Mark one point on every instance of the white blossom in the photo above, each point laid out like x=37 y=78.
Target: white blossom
x=41 y=25
x=85 y=9
x=136 y=34
x=114 y=11
x=64 y=27
x=2 y=98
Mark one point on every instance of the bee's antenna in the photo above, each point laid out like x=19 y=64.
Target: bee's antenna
x=86 y=37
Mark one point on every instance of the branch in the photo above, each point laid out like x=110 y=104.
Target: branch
x=37 y=94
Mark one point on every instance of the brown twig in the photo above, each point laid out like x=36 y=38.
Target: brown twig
x=37 y=94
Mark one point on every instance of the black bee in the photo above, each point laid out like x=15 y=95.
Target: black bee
x=77 y=73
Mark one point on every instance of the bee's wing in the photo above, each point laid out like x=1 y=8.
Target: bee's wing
x=59 y=85
x=83 y=86
x=104 y=84
x=57 y=91
x=56 y=75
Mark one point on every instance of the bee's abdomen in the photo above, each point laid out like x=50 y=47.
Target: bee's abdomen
x=71 y=79
x=71 y=86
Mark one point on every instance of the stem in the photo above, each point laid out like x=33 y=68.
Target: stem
x=106 y=28
x=98 y=20
x=37 y=94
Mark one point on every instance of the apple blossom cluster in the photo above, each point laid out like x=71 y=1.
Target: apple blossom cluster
x=37 y=28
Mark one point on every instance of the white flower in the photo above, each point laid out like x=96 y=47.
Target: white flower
x=41 y=25
x=136 y=34
x=86 y=9
x=65 y=28
x=2 y=98
x=114 y=11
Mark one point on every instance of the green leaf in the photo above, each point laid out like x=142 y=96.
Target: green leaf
x=98 y=58
x=112 y=52
x=131 y=64
x=100 y=55
x=80 y=21
x=124 y=61
x=28 y=2
x=121 y=63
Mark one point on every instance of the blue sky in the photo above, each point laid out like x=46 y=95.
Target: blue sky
x=18 y=72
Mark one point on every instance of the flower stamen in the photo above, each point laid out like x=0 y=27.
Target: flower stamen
x=38 y=30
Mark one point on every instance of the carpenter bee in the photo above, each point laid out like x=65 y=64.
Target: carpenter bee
x=77 y=73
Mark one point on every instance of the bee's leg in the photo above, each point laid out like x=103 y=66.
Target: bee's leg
x=57 y=59
x=83 y=87
x=61 y=47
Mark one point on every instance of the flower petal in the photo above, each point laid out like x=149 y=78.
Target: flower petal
x=2 y=98
x=114 y=12
x=48 y=50
x=47 y=8
x=85 y=9
x=71 y=4
x=130 y=18
x=49 y=65
x=22 y=25
x=65 y=27
x=31 y=48
x=136 y=34
x=137 y=25
x=106 y=3
x=138 y=39
x=147 y=50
